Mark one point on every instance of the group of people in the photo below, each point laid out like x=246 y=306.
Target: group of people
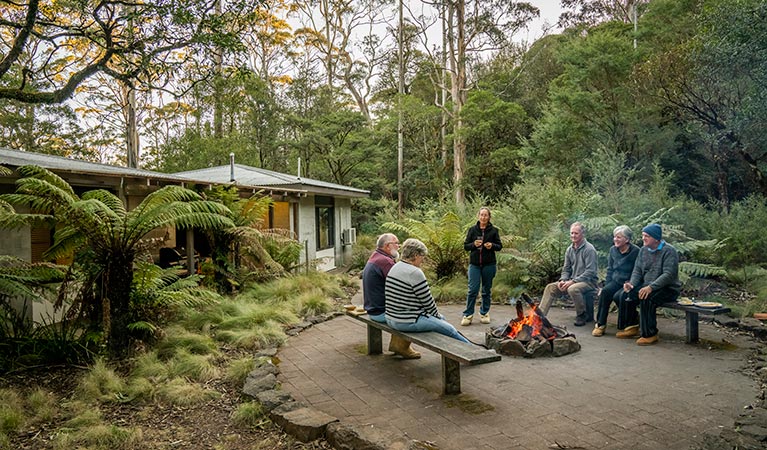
x=646 y=277
x=397 y=293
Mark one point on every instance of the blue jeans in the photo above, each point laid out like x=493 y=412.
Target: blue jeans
x=477 y=274
x=378 y=318
x=428 y=323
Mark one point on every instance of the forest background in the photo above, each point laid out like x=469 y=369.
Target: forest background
x=635 y=111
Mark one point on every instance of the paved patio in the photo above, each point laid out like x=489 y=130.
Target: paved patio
x=612 y=394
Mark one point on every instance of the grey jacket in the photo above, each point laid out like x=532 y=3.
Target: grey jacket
x=580 y=264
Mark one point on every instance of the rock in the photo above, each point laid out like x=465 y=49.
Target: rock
x=271 y=399
x=344 y=437
x=268 y=352
x=511 y=347
x=304 y=424
x=566 y=345
x=255 y=385
x=536 y=349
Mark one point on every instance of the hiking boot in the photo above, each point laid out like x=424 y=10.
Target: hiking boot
x=484 y=318
x=466 y=321
x=629 y=332
x=647 y=340
x=599 y=330
x=402 y=347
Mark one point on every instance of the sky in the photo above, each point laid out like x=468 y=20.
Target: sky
x=550 y=11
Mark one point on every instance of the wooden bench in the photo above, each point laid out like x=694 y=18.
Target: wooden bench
x=692 y=314
x=452 y=350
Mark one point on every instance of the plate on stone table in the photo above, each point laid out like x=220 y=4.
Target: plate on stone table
x=708 y=305
x=685 y=301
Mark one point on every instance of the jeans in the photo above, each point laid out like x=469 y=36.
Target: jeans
x=378 y=318
x=428 y=323
x=477 y=275
x=648 y=323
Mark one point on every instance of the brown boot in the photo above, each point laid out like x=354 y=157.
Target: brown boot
x=402 y=347
x=629 y=332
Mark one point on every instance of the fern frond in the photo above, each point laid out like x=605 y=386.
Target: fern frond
x=701 y=270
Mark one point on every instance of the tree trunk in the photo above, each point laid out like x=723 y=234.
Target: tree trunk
x=458 y=92
x=116 y=289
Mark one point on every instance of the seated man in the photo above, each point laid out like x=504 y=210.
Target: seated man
x=373 y=289
x=654 y=281
x=579 y=277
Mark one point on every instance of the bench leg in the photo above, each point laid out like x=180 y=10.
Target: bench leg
x=691 y=318
x=451 y=376
x=375 y=341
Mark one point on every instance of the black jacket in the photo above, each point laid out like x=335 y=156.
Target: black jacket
x=482 y=256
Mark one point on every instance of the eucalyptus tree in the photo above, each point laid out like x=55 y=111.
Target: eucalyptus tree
x=347 y=36
x=474 y=27
x=593 y=12
x=104 y=238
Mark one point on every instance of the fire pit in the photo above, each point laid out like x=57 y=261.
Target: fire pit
x=531 y=335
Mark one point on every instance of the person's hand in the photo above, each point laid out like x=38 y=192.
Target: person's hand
x=488 y=245
x=563 y=285
x=627 y=287
x=645 y=292
x=478 y=243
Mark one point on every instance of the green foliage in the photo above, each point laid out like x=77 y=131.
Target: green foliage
x=101 y=383
x=742 y=228
x=11 y=411
x=361 y=251
x=450 y=290
x=312 y=303
x=238 y=370
x=249 y=414
x=191 y=367
x=104 y=238
x=443 y=237
x=42 y=405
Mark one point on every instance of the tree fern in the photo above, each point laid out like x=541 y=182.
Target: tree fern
x=702 y=270
x=104 y=238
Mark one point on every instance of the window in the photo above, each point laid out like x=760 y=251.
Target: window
x=326 y=226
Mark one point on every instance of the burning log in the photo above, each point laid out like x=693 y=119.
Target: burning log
x=530 y=335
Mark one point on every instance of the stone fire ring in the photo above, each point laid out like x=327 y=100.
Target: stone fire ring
x=558 y=346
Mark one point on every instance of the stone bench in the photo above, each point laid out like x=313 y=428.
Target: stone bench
x=453 y=351
x=692 y=315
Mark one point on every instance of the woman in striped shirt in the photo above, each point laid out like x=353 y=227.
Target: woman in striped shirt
x=409 y=304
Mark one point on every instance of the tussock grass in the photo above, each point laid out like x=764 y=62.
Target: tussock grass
x=5 y=442
x=249 y=414
x=101 y=383
x=42 y=405
x=101 y=436
x=183 y=393
x=177 y=338
x=11 y=411
x=312 y=303
x=150 y=366
x=194 y=367
x=267 y=335
x=84 y=416
x=238 y=369
x=451 y=290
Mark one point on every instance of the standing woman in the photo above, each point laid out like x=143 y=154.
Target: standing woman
x=620 y=264
x=482 y=241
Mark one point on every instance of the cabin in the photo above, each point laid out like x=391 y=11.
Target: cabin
x=316 y=212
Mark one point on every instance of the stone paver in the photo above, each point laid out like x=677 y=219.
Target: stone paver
x=610 y=395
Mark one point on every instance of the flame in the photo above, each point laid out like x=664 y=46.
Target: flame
x=532 y=320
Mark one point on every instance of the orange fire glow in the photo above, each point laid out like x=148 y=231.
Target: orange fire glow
x=532 y=320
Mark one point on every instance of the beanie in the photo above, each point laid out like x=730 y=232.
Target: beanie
x=654 y=230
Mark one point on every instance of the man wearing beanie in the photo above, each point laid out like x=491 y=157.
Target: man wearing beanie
x=654 y=281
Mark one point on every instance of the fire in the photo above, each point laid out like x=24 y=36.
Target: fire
x=532 y=324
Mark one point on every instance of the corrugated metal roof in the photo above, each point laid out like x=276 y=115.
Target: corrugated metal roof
x=254 y=176
x=19 y=158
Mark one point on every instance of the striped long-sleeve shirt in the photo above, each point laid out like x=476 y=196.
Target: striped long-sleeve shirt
x=407 y=294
